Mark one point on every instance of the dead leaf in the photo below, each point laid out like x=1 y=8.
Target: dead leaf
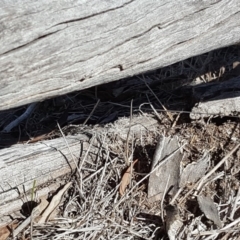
x=42 y=207
x=209 y=209
x=54 y=203
x=158 y=180
x=126 y=178
x=194 y=171
x=6 y=230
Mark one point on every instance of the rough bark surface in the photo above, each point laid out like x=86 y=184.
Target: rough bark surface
x=52 y=48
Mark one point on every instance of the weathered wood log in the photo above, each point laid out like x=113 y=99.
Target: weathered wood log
x=22 y=164
x=216 y=99
x=52 y=48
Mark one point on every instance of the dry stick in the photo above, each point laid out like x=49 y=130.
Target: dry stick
x=96 y=192
x=155 y=168
x=212 y=232
x=219 y=175
x=126 y=228
x=97 y=171
x=168 y=113
x=17 y=121
x=77 y=230
x=80 y=168
x=91 y=113
x=109 y=196
x=73 y=158
x=216 y=167
x=214 y=178
x=98 y=187
x=130 y=122
x=176 y=196
x=131 y=168
x=168 y=110
x=235 y=205
x=86 y=154
x=159 y=118
x=175 y=121
x=199 y=184
x=224 y=228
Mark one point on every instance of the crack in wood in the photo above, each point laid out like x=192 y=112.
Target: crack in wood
x=30 y=43
x=93 y=15
x=118 y=45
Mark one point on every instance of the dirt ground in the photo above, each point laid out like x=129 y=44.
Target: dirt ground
x=205 y=209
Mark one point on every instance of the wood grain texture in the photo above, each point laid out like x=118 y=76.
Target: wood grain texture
x=217 y=99
x=52 y=48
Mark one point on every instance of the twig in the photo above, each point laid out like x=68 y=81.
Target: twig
x=204 y=178
x=17 y=121
x=91 y=113
x=97 y=171
x=176 y=196
x=235 y=205
x=224 y=228
x=127 y=140
x=175 y=121
x=200 y=183
x=168 y=113
x=128 y=229
x=98 y=187
x=84 y=159
x=73 y=158
x=155 y=111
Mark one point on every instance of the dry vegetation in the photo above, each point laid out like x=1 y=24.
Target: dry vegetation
x=91 y=206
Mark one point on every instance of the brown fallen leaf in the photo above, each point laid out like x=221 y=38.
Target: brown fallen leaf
x=6 y=230
x=126 y=178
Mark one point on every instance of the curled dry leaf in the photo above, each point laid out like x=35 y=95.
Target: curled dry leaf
x=126 y=178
